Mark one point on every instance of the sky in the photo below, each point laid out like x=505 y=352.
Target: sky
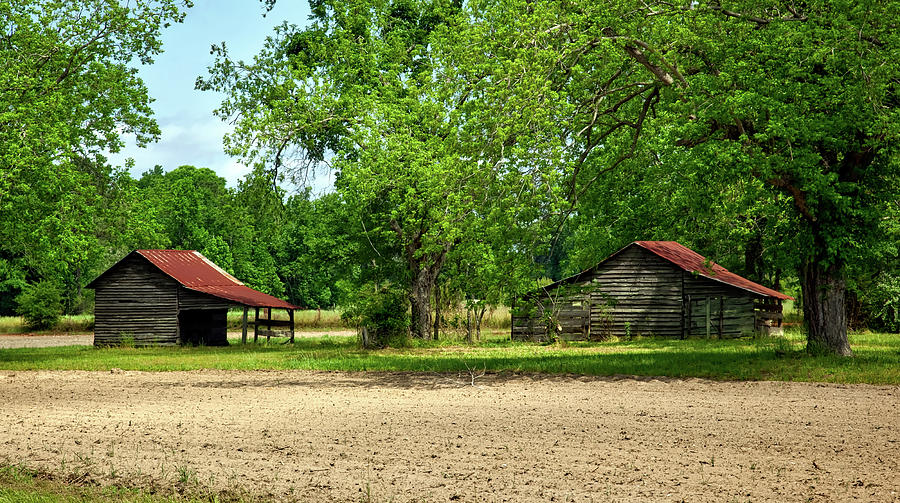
x=191 y=134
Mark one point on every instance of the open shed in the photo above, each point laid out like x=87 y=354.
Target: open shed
x=649 y=288
x=167 y=297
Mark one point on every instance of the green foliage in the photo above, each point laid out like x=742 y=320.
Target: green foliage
x=40 y=305
x=381 y=314
x=68 y=92
x=365 y=81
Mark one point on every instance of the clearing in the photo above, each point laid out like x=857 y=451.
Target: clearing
x=320 y=436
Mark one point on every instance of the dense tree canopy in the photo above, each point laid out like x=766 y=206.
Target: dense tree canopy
x=478 y=147
x=68 y=92
x=784 y=116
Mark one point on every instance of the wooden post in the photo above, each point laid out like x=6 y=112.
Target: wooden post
x=244 y=327
x=688 y=321
x=268 y=312
x=256 y=325
x=708 y=302
x=721 y=316
x=291 y=317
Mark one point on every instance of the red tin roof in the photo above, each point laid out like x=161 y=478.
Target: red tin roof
x=691 y=261
x=198 y=273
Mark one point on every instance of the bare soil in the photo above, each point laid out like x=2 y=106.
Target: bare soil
x=317 y=436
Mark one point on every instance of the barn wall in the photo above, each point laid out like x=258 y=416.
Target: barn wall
x=636 y=293
x=730 y=309
x=568 y=305
x=138 y=301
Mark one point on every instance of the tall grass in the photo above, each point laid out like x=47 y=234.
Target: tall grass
x=66 y=324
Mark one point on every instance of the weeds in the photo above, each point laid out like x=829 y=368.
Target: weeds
x=876 y=360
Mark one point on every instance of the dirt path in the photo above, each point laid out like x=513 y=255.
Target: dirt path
x=8 y=341
x=311 y=436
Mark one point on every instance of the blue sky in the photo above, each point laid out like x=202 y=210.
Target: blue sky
x=190 y=132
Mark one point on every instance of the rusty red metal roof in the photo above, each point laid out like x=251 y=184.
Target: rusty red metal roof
x=691 y=261
x=196 y=272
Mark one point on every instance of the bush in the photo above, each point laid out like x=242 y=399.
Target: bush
x=381 y=315
x=41 y=305
x=881 y=303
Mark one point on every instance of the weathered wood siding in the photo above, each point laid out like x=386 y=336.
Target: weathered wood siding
x=138 y=302
x=636 y=293
x=566 y=309
x=716 y=309
x=189 y=299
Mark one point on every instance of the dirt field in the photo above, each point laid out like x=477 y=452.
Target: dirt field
x=311 y=436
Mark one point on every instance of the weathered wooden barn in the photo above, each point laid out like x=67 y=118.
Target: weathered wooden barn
x=649 y=288
x=167 y=297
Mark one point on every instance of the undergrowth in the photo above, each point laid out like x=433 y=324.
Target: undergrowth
x=876 y=360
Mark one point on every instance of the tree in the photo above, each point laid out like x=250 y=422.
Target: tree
x=363 y=91
x=803 y=99
x=67 y=93
x=799 y=100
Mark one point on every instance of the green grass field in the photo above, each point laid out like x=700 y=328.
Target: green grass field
x=21 y=485
x=876 y=361
x=307 y=320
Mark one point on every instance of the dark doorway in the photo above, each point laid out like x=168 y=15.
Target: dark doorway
x=205 y=327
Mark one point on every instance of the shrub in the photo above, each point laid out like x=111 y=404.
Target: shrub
x=40 y=304
x=381 y=315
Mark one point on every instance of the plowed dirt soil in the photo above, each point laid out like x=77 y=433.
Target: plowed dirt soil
x=316 y=436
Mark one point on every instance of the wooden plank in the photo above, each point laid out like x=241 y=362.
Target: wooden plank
x=256 y=325
x=291 y=316
x=244 y=326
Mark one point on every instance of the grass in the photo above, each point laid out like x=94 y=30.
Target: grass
x=66 y=324
x=21 y=485
x=307 y=320
x=877 y=359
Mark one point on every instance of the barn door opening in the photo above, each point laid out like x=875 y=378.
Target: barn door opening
x=205 y=327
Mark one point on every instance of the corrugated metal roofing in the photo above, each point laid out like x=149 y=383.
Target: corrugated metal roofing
x=198 y=273
x=691 y=261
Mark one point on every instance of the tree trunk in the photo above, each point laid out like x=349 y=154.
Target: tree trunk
x=753 y=255
x=437 y=312
x=420 y=303
x=824 y=307
x=478 y=319
x=469 y=337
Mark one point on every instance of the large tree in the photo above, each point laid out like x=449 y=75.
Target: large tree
x=363 y=91
x=68 y=91
x=797 y=99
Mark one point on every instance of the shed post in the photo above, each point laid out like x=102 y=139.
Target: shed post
x=256 y=325
x=687 y=332
x=291 y=317
x=244 y=326
x=721 y=316
x=708 y=302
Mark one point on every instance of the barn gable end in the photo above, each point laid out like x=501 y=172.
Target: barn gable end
x=135 y=300
x=636 y=292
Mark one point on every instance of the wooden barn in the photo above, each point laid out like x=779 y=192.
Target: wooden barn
x=167 y=297
x=649 y=288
